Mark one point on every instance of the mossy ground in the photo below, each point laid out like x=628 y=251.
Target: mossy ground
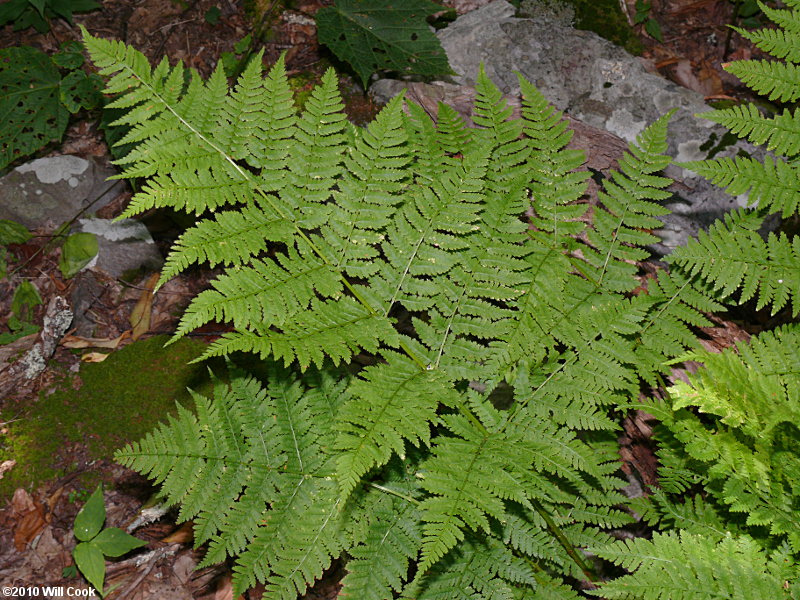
x=118 y=401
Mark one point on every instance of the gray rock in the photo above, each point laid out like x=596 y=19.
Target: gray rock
x=598 y=83
x=47 y=192
x=122 y=246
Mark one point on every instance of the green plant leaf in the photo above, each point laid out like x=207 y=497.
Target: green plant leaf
x=243 y=44
x=29 y=103
x=653 y=29
x=65 y=8
x=81 y=90
x=112 y=541
x=38 y=5
x=383 y=35
x=18 y=330
x=90 y=561
x=90 y=519
x=70 y=56
x=212 y=15
x=12 y=232
x=26 y=296
x=77 y=252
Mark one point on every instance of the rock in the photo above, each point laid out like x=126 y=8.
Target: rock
x=599 y=84
x=47 y=192
x=122 y=246
x=57 y=320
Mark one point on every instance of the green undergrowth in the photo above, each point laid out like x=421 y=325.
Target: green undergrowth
x=118 y=401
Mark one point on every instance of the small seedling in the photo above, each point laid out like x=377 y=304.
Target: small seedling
x=95 y=545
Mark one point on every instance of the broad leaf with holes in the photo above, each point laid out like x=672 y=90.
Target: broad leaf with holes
x=383 y=35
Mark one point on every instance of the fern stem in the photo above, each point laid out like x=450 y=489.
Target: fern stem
x=564 y=542
x=387 y=490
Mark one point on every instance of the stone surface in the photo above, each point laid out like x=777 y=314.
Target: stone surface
x=47 y=192
x=598 y=83
x=122 y=246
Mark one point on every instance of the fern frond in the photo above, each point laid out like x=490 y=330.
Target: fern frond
x=391 y=404
x=231 y=238
x=316 y=155
x=780 y=82
x=476 y=570
x=747 y=460
x=696 y=515
x=621 y=226
x=675 y=567
x=774 y=184
x=369 y=191
x=266 y=292
x=336 y=329
x=780 y=42
x=780 y=134
x=387 y=539
x=469 y=475
x=555 y=183
x=733 y=256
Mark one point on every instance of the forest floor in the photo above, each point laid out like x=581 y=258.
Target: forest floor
x=83 y=410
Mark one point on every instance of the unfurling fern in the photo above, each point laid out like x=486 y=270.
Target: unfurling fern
x=473 y=456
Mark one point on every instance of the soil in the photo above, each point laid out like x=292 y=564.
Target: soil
x=57 y=434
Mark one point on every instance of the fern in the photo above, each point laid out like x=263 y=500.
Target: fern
x=676 y=567
x=733 y=254
x=473 y=454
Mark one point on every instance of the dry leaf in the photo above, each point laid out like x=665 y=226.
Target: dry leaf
x=6 y=466
x=224 y=588
x=30 y=521
x=140 y=316
x=94 y=357
x=74 y=341
x=182 y=535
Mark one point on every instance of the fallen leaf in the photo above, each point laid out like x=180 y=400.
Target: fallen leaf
x=94 y=357
x=140 y=316
x=224 y=588
x=6 y=466
x=74 y=341
x=31 y=519
x=182 y=535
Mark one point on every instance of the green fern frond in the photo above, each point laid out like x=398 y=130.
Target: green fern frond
x=743 y=450
x=683 y=566
x=696 y=515
x=774 y=184
x=369 y=191
x=316 y=155
x=780 y=134
x=555 y=183
x=476 y=570
x=780 y=42
x=266 y=292
x=387 y=539
x=780 y=82
x=336 y=329
x=234 y=461
x=733 y=256
x=372 y=429
x=621 y=226
x=231 y=238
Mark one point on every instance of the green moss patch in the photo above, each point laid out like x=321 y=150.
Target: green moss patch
x=118 y=401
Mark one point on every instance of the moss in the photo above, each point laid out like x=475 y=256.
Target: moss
x=118 y=401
